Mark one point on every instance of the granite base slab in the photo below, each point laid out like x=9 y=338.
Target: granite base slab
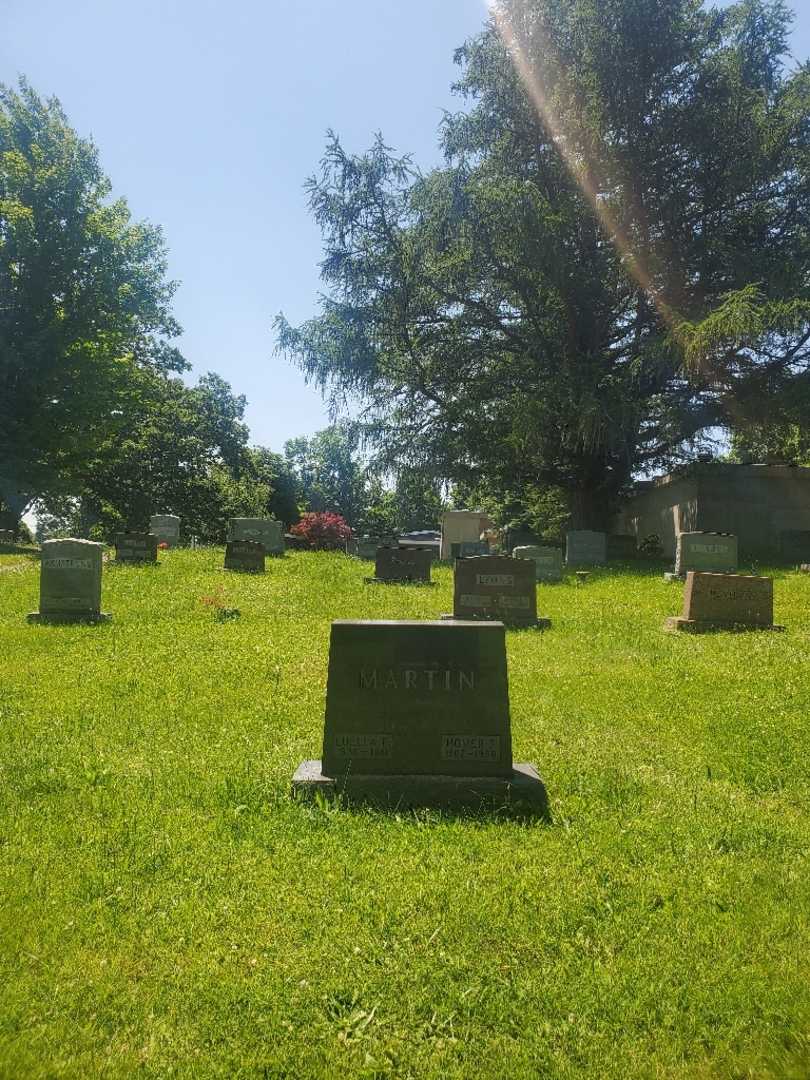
x=68 y=618
x=541 y=624
x=391 y=581
x=523 y=788
x=676 y=623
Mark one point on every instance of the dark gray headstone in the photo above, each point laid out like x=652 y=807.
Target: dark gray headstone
x=705 y=551
x=583 y=547
x=495 y=587
x=136 y=547
x=402 y=564
x=717 y=601
x=467 y=549
x=245 y=555
x=418 y=712
x=70 y=581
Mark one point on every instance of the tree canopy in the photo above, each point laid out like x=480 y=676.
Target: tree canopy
x=612 y=261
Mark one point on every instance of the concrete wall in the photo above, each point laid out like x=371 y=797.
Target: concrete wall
x=755 y=502
x=666 y=507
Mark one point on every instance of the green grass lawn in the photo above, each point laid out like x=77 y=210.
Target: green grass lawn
x=167 y=909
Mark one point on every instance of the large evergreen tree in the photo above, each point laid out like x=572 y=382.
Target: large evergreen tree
x=613 y=260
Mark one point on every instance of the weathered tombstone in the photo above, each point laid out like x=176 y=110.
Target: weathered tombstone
x=136 y=547
x=247 y=555
x=418 y=713
x=725 y=601
x=705 y=552
x=70 y=582
x=548 y=561
x=402 y=566
x=466 y=549
x=794 y=546
x=583 y=547
x=622 y=547
x=266 y=531
x=366 y=547
x=166 y=528
x=496 y=587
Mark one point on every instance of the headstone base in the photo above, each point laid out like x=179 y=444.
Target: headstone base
x=68 y=617
x=395 y=581
x=541 y=624
x=523 y=788
x=677 y=623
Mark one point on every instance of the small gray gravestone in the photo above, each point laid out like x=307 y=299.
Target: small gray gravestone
x=404 y=566
x=794 y=546
x=136 y=547
x=467 y=549
x=366 y=546
x=418 y=712
x=70 y=582
x=245 y=555
x=266 y=531
x=166 y=528
x=705 y=551
x=725 y=601
x=548 y=561
x=496 y=587
x=583 y=547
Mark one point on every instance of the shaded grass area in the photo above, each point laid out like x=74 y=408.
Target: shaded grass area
x=166 y=908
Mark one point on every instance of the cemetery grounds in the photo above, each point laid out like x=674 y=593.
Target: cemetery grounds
x=167 y=909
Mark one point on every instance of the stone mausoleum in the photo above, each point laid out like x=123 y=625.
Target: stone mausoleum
x=764 y=506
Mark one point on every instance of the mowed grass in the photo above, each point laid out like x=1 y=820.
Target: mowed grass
x=167 y=909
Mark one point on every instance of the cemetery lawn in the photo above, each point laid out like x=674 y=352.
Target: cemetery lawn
x=167 y=909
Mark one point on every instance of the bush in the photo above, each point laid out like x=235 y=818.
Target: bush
x=651 y=546
x=323 y=531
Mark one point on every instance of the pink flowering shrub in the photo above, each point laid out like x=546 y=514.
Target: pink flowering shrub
x=323 y=531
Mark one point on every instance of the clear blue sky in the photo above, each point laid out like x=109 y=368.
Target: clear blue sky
x=209 y=115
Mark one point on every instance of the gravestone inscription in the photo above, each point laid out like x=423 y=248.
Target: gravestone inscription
x=70 y=582
x=166 y=528
x=496 y=587
x=725 y=601
x=418 y=711
x=402 y=565
x=136 y=547
x=705 y=551
x=246 y=555
x=266 y=531
x=548 y=561
x=584 y=547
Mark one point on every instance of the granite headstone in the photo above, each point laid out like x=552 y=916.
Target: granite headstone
x=70 y=582
x=584 y=547
x=266 y=531
x=246 y=555
x=548 y=561
x=709 y=552
x=402 y=565
x=136 y=547
x=725 y=601
x=496 y=587
x=419 y=712
x=166 y=528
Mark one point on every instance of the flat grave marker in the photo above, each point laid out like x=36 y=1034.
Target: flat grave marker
x=245 y=555
x=70 y=582
x=418 y=712
x=136 y=547
x=584 y=547
x=724 y=602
